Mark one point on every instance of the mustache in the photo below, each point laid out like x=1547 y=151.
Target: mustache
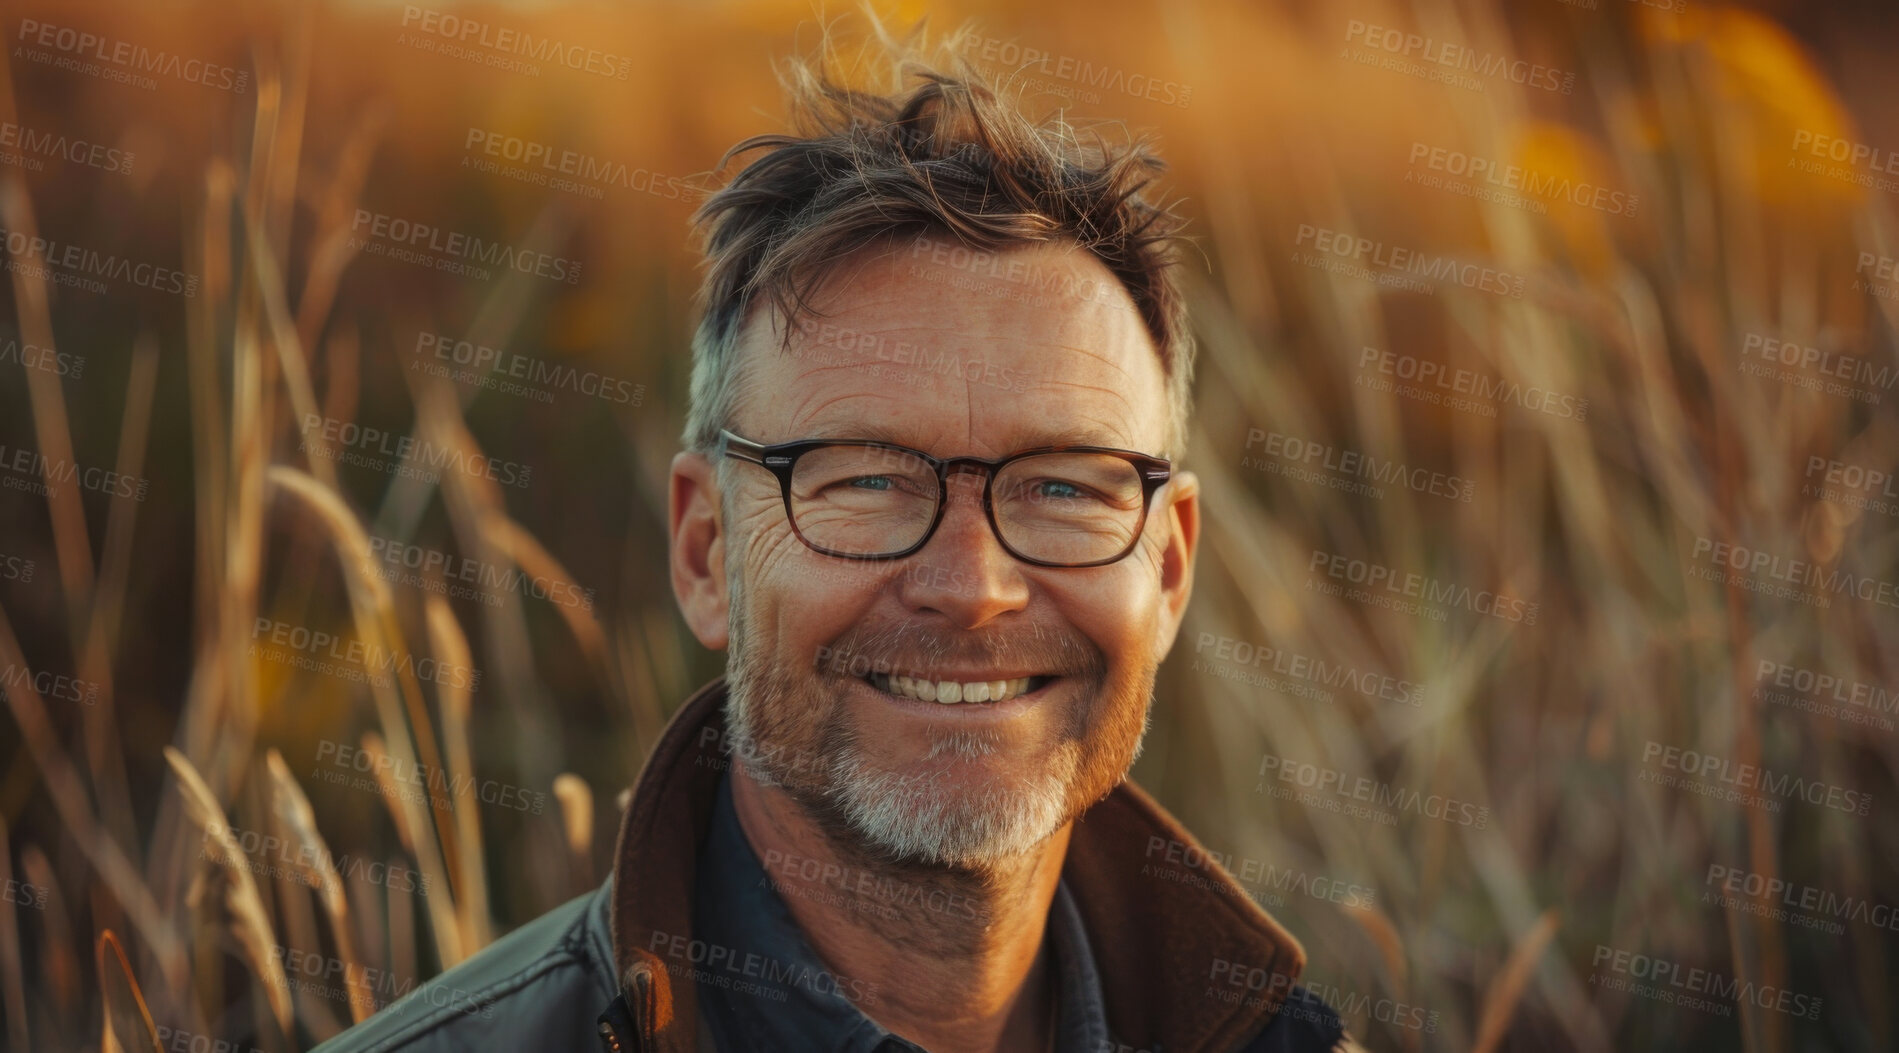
x=914 y=649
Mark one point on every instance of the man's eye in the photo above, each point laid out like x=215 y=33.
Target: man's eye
x=871 y=482
x=1059 y=489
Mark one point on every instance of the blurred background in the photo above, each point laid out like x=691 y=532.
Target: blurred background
x=1543 y=670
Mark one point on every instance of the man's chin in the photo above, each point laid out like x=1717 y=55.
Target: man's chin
x=968 y=789
x=951 y=810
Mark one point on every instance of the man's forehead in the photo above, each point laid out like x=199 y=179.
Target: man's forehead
x=899 y=353
x=929 y=289
x=1003 y=438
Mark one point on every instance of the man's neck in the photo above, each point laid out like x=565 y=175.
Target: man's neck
x=957 y=956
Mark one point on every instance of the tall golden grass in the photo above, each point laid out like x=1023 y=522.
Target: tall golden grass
x=128 y=806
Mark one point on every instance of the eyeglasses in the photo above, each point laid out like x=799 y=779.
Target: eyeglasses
x=1056 y=506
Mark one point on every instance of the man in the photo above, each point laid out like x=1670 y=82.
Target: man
x=927 y=504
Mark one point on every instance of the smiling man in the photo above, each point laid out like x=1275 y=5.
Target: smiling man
x=929 y=506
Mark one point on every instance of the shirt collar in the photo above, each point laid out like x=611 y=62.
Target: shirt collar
x=762 y=986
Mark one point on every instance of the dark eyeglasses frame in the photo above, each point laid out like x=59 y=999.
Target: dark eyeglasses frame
x=780 y=458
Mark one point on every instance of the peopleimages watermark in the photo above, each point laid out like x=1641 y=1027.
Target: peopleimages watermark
x=1011 y=276
x=1411 y=593
x=717 y=745
x=1759 y=570
x=1661 y=980
x=1846 y=376
x=457 y=577
x=1711 y=775
x=1851 y=485
x=337 y=762
x=748 y=972
x=502 y=47
x=400 y=454
x=1077 y=74
x=15 y=568
x=1871 y=269
x=27 y=470
x=569 y=171
x=351 y=659
x=1742 y=890
x=1244 y=654
x=516 y=373
x=1853 y=702
x=1851 y=162
x=334 y=979
x=903 y=361
x=1364 y=1008
x=268 y=856
x=178 y=1040
x=1497 y=181
x=1465 y=390
x=468 y=255
x=1446 y=61
x=24 y=894
x=44 y=359
x=1293 y=452
x=1235 y=982
x=120 y=61
x=78 y=267
x=33 y=145
x=1397 y=266
x=1176 y=861
x=56 y=686
x=1360 y=796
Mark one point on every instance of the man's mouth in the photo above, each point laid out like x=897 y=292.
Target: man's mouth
x=952 y=692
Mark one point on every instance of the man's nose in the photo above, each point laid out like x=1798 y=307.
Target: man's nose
x=964 y=572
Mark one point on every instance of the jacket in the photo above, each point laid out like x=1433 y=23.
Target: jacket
x=1187 y=962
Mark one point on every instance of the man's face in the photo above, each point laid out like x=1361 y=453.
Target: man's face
x=916 y=350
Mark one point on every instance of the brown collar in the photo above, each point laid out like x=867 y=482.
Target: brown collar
x=1187 y=961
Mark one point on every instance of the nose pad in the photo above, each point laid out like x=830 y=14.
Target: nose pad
x=979 y=482
x=977 y=488
x=976 y=484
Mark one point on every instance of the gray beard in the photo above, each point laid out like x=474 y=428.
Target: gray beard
x=899 y=817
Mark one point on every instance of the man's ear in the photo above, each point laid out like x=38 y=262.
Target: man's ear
x=696 y=532
x=1183 y=540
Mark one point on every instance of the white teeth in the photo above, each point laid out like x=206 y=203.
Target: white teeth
x=950 y=692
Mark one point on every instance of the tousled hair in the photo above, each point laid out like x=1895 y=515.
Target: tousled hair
x=944 y=154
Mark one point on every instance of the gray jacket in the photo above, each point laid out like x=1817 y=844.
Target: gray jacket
x=1188 y=963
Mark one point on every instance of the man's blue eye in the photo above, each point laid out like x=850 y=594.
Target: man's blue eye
x=871 y=482
x=1065 y=489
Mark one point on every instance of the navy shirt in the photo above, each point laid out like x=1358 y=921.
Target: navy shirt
x=770 y=990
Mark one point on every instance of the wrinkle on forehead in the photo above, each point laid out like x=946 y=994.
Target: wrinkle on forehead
x=1127 y=405
x=1108 y=419
x=1064 y=376
x=814 y=405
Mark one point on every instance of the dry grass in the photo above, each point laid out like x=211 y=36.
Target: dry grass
x=1491 y=931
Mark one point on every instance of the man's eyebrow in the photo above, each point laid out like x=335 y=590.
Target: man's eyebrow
x=900 y=435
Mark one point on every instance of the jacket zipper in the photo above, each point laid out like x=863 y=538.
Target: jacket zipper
x=620 y=1030
x=616 y=1021
x=610 y=1037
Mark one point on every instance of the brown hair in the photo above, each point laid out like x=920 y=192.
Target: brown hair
x=947 y=156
